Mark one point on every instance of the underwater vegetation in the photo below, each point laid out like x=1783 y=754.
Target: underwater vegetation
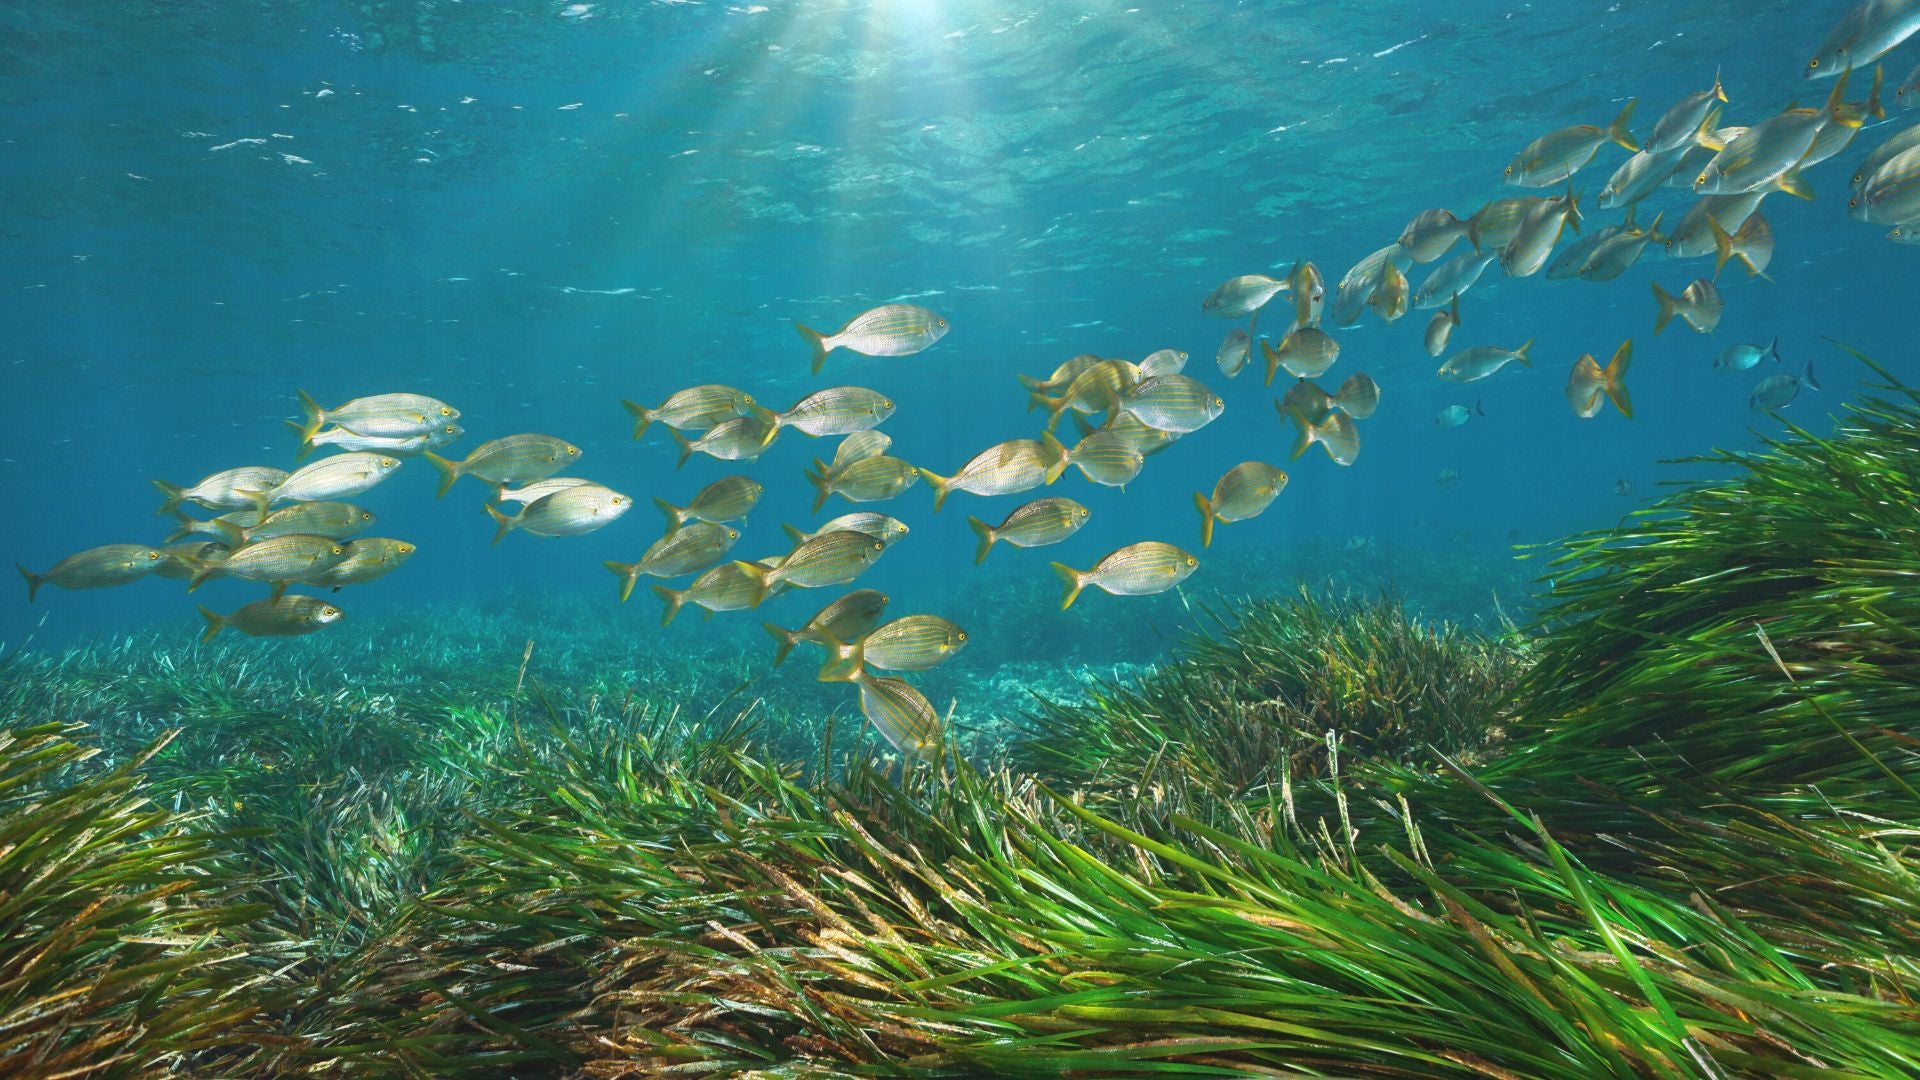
x=1667 y=830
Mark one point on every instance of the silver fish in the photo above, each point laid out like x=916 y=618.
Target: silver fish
x=1778 y=391
x=1742 y=357
x=888 y=330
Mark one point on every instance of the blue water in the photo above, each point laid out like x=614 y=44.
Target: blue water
x=533 y=210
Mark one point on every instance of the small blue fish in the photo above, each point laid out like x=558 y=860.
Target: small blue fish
x=1743 y=357
x=1778 y=391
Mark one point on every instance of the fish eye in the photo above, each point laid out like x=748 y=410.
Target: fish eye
x=338 y=550
x=445 y=411
x=1813 y=64
x=388 y=463
x=747 y=398
x=961 y=636
x=573 y=451
x=885 y=404
x=1191 y=561
x=1701 y=179
x=330 y=612
x=153 y=556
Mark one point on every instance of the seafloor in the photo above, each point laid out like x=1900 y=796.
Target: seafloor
x=1656 y=818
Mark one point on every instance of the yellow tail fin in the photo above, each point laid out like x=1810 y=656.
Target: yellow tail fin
x=1073 y=580
x=1617 y=131
x=941 y=487
x=215 y=621
x=1520 y=353
x=306 y=441
x=1614 y=379
x=1273 y=360
x=33 y=581
x=673 y=600
x=987 y=537
x=793 y=533
x=818 y=341
x=784 y=638
x=817 y=476
x=1668 y=307
x=315 y=418
x=642 y=417
x=504 y=523
x=676 y=516
x=685 y=445
x=1722 y=245
x=449 y=472
x=1054 y=453
x=175 y=496
x=1207 y=518
x=629 y=575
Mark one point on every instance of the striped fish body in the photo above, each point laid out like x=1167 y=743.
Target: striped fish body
x=1680 y=126
x=1495 y=223
x=1233 y=352
x=1247 y=490
x=366 y=559
x=873 y=479
x=1891 y=196
x=901 y=714
x=1035 y=524
x=1173 y=403
x=1764 y=154
x=281 y=616
x=1062 y=376
x=513 y=459
x=727 y=587
x=1141 y=569
x=1612 y=256
x=1481 y=361
x=97 y=568
x=396 y=416
x=1453 y=277
x=849 y=618
x=1431 y=235
x=729 y=498
x=333 y=520
x=859 y=446
x=1006 y=468
x=279 y=561
x=886 y=529
x=1242 y=296
x=830 y=559
x=1305 y=353
x=1640 y=176
x=1554 y=157
x=686 y=550
x=338 y=476
x=838 y=410
x=697 y=408
x=179 y=562
x=913 y=643
x=888 y=330
x=234 y=489
x=573 y=511
x=1693 y=237
x=398 y=446
x=1106 y=458
x=1358 y=285
x=539 y=489
x=743 y=438
x=1533 y=242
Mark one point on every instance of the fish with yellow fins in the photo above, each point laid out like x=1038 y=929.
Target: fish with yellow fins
x=1335 y=433
x=743 y=438
x=571 y=511
x=1244 y=492
x=96 y=568
x=683 y=551
x=280 y=616
x=1699 y=305
x=697 y=408
x=912 y=643
x=1589 y=385
x=1305 y=353
x=726 y=587
x=1004 y=469
x=901 y=714
x=1477 y=363
x=385 y=416
x=829 y=559
x=512 y=459
x=1036 y=524
x=727 y=499
x=888 y=330
x=1141 y=569
x=862 y=471
x=1557 y=155
x=847 y=619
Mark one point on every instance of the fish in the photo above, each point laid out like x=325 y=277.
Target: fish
x=1305 y=398
x=697 y=408
x=280 y=616
x=847 y=619
x=179 y=561
x=1640 y=176
x=227 y=528
x=860 y=446
x=1589 y=384
x=1244 y=492
x=1573 y=258
x=1682 y=124
x=686 y=550
x=1448 y=477
x=232 y=489
x=1623 y=487
x=1389 y=299
x=1141 y=569
x=1494 y=224
x=1336 y=434
x=833 y=558
x=1431 y=234
x=1131 y=430
x=837 y=410
x=1776 y=392
x=407 y=446
x=1004 y=469
x=1835 y=137
x=1173 y=403
x=1163 y=362
x=96 y=568
x=1358 y=284
x=1454 y=415
x=513 y=459
x=1768 y=155
x=885 y=529
x=1907 y=95
x=1452 y=278
x=730 y=498
x=1309 y=293
x=1743 y=357
x=743 y=438
x=1905 y=234
x=1753 y=246
x=722 y=588
x=1358 y=397
x=1242 y=296
x=1062 y=376
x=1891 y=196
x=1481 y=361
x=901 y=714
x=391 y=416
x=1306 y=353
x=573 y=511
x=1533 y=241
x=337 y=476
x=1107 y=458
x=1557 y=155
x=1441 y=327
x=1892 y=148
x=366 y=559
x=1233 y=353
x=537 y=490
x=912 y=643
x=1035 y=524
x=1699 y=304
x=279 y=561
x=888 y=330
x=1694 y=236
x=1695 y=157
x=1865 y=34
x=866 y=479
x=1614 y=255
x=1097 y=389
x=333 y=520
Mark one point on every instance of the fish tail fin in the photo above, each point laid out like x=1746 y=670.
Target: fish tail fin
x=215 y=621
x=306 y=440
x=1054 y=406
x=685 y=444
x=1722 y=246
x=817 y=476
x=1477 y=410
x=1207 y=518
x=1653 y=230
x=1573 y=218
x=793 y=533
x=1520 y=353
x=1873 y=108
x=1054 y=453
x=1614 y=379
x=1032 y=385
x=1836 y=107
x=676 y=516
x=673 y=601
x=629 y=575
x=1773 y=350
x=1719 y=92
x=277 y=589
x=1302 y=430
x=1081 y=425
x=502 y=521
x=1272 y=356
x=230 y=534
x=1617 y=131
x=941 y=486
x=312 y=421
x=1795 y=184
x=33 y=581
x=642 y=417
x=844 y=663
x=449 y=472
x=1454 y=311
x=175 y=496
x=784 y=640
x=181 y=531
x=987 y=537
x=1808 y=377
x=1667 y=308
x=201 y=576
x=818 y=342
x=762 y=580
x=1072 y=581
x=1704 y=134
x=1340 y=438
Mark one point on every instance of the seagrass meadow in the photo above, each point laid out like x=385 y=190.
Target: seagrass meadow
x=1659 y=820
